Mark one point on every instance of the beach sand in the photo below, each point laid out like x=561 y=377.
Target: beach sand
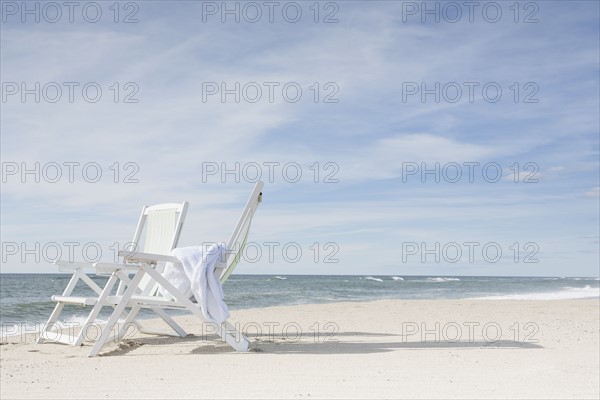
x=507 y=349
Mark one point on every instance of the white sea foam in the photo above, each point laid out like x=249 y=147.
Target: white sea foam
x=440 y=279
x=16 y=329
x=281 y=278
x=565 y=293
x=80 y=320
x=397 y=278
x=20 y=328
x=370 y=278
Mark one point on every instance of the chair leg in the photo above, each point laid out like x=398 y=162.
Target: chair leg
x=51 y=321
x=59 y=306
x=129 y=318
x=101 y=302
x=222 y=329
x=170 y=321
x=114 y=318
x=233 y=337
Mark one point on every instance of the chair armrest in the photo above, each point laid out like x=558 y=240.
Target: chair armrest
x=103 y=268
x=70 y=266
x=97 y=268
x=149 y=258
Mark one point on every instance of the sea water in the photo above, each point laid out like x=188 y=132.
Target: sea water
x=25 y=298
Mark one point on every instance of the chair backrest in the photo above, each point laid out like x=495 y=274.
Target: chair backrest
x=239 y=237
x=160 y=233
x=157 y=232
x=160 y=227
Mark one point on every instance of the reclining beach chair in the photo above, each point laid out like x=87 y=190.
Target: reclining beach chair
x=159 y=226
x=141 y=291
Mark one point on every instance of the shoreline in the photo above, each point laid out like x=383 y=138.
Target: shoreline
x=150 y=319
x=154 y=319
x=364 y=349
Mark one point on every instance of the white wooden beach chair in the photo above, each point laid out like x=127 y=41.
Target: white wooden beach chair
x=159 y=227
x=147 y=266
x=141 y=291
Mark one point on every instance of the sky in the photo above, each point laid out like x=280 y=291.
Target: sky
x=394 y=138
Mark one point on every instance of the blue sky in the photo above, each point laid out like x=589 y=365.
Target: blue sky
x=372 y=216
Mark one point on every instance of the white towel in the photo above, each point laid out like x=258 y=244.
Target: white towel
x=197 y=277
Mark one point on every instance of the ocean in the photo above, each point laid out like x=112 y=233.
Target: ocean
x=25 y=298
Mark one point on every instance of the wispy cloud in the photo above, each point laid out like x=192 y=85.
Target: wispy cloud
x=370 y=135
